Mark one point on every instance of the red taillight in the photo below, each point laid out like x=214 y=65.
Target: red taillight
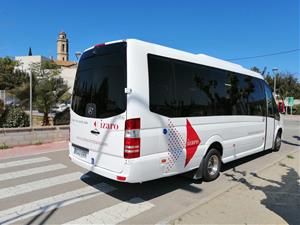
x=132 y=140
x=121 y=178
x=133 y=124
x=99 y=45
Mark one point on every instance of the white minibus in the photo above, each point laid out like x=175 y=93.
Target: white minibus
x=141 y=111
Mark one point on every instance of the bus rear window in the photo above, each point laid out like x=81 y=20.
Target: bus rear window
x=100 y=81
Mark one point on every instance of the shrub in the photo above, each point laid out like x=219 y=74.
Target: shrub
x=297 y=109
x=62 y=118
x=14 y=117
x=4 y=146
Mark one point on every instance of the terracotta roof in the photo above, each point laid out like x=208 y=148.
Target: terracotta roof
x=64 y=63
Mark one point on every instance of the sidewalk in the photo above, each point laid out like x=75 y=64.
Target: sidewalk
x=271 y=196
x=290 y=117
x=33 y=149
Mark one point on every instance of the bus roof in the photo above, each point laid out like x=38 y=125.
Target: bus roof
x=195 y=58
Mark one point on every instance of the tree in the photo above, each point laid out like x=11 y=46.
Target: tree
x=14 y=81
x=255 y=69
x=30 y=52
x=49 y=89
x=10 y=77
x=1 y=109
x=287 y=84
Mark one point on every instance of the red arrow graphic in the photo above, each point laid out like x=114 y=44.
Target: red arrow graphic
x=192 y=142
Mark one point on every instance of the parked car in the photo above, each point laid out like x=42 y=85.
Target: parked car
x=60 y=108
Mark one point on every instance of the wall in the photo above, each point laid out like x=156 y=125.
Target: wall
x=68 y=74
x=26 y=136
x=26 y=61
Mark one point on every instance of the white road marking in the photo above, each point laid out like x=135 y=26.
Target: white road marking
x=23 y=162
x=21 y=212
x=115 y=214
x=29 y=172
x=37 y=185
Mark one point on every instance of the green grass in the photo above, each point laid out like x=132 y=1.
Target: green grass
x=290 y=156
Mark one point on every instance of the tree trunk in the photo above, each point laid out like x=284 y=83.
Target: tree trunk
x=45 y=119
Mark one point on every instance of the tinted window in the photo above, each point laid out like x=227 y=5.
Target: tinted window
x=257 y=100
x=183 y=89
x=100 y=81
x=252 y=96
x=161 y=84
x=275 y=109
x=270 y=101
x=235 y=88
x=194 y=90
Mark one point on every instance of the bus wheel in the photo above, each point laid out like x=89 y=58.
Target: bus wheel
x=211 y=165
x=277 y=143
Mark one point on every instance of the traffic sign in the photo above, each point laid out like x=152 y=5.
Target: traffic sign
x=290 y=101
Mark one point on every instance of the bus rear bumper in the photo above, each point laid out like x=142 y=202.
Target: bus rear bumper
x=135 y=170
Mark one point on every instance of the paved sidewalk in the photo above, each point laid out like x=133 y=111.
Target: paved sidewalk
x=33 y=149
x=290 y=117
x=271 y=196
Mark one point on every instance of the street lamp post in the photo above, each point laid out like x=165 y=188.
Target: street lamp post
x=275 y=71
x=77 y=54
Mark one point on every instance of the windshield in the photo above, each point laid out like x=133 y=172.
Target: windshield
x=100 y=81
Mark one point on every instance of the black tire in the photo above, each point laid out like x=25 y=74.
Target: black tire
x=277 y=143
x=211 y=172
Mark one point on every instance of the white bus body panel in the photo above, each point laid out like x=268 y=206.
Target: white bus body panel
x=106 y=148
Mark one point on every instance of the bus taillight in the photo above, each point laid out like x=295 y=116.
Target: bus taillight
x=132 y=140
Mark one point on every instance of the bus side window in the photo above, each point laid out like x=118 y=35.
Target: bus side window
x=270 y=101
x=275 y=110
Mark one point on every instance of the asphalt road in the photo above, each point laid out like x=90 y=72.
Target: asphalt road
x=49 y=189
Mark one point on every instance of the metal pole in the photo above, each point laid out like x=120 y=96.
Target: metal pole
x=275 y=71
x=30 y=99
x=275 y=85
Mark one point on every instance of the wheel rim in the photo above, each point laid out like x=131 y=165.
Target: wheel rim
x=213 y=165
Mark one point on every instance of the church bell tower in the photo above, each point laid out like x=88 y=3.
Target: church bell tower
x=62 y=47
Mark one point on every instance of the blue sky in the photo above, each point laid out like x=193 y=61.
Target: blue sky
x=224 y=29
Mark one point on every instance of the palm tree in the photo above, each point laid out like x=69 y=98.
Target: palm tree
x=50 y=88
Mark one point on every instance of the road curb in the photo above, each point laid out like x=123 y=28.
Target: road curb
x=217 y=194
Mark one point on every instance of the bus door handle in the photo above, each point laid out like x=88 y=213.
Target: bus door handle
x=95 y=132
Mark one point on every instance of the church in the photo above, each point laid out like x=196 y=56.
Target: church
x=68 y=68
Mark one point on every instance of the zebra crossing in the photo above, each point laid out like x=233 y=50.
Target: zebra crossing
x=30 y=209
x=115 y=214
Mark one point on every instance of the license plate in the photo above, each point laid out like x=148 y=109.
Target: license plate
x=81 y=152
